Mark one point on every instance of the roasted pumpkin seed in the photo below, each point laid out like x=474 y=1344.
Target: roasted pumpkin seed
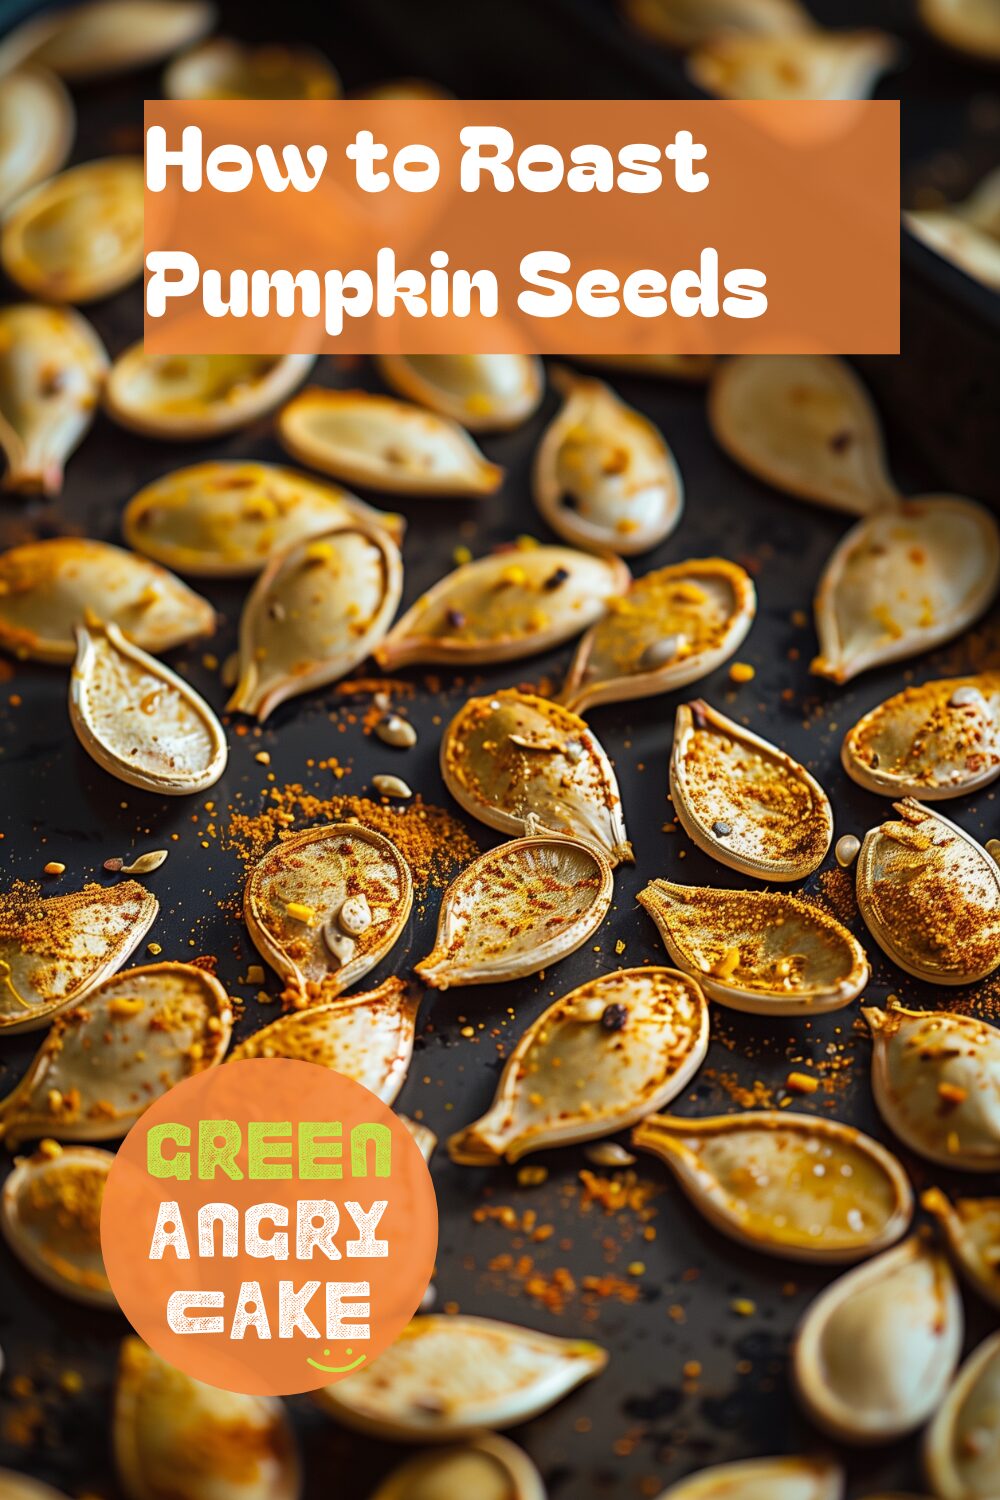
x=938 y=740
x=966 y=233
x=50 y=1214
x=970 y=26
x=225 y=69
x=486 y=1468
x=183 y=396
x=811 y=64
x=962 y=1446
x=485 y=392
x=37 y=124
x=101 y=38
x=971 y=1228
x=692 y=367
x=763 y=1479
x=686 y=23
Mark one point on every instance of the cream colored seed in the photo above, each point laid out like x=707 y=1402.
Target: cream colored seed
x=391 y=786
x=355 y=916
x=608 y=1154
x=146 y=863
x=847 y=850
x=392 y=730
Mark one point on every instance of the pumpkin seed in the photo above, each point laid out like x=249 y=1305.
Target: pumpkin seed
x=47 y=588
x=78 y=236
x=54 y=950
x=936 y=1081
x=104 y=1062
x=52 y=364
x=938 y=740
x=686 y=23
x=704 y=606
x=847 y=850
x=517 y=909
x=758 y=951
x=609 y=1154
x=225 y=69
x=962 y=1446
x=763 y=1479
x=50 y=1214
x=604 y=478
x=930 y=896
x=20 y=1487
x=902 y=581
x=425 y=1138
x=168 y=1431
x=744 y=801
x=366 y=1037
x=504 y=607
x=485 y=392
x=104 y=37
x=392 y=730
x=806 y=424
x=876 y=1351
x=516 y=762
x=141 y=722
x=314 y=614
x=790 y=1185
x=384 y=444
x=355 y=916
x=448 y=1376
x=966 y=25
x=487 y=1467
x=971 y=1228
x=225 y=520
x=181 y=396
x=690 y=367
x=967 y=233
x=392 y=786
x=316 y=871
x=813 y=64
x=146 y=863
x=572 y=1078
x=37 y=125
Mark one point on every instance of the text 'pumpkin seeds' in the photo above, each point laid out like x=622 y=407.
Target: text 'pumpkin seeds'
x=936 y=1081
x=516 y=909
x=48 y=588
x=295 y=895
x=875 y=1352
x=52 y=364
x=744 y=801
x=225 y=520
x=930 y=896
x=104 y=1062
x=499 y=608
x=55 y=949
x=181 y=396
x=962 y=1447
x=938 y=740
x=790 y=1185
x=365 y=1037
x=759 y=951
x=487 y=1467
x=167 y=1426
x=485 y=392
x=516 y=761
x=599 y=1059
x=445 y=1376
x=140 y=721
x=763 y=1479
x=672 y=627
x=806 y=65
x=971 y=1227
x=604 y=477
x=384 y=444
x=51 y=1219
x=902 y=581
x=314 y=614
x=804 y=423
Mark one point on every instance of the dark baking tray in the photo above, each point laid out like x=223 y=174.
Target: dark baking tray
x=641 y=1425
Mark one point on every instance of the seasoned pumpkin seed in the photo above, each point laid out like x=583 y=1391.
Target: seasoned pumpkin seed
x=938 y=740
x=485 y=392
x=485 y=1468
x=812 y=64
x=183 y=396
x=225 y=69
x=37 y=124
x=971 y=1228
x=971 y=26
x=685 y=23
x=962 y=1446
x=50 y=1214
x=101 y=38
x=763 y=1479
x=966 y=233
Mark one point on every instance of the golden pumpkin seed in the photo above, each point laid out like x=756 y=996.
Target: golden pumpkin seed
x=78 y=236
x=967 y=233
x=50 y=1214
x=790 y=1185
x=37 y=124
x=691 y=367
x=758 y=951
x=105 y=37
x=485 y=1468
x=962 y=1446
x=596 y=1061
x=104 y=1062
x=448 y=1376
x=55 y=949
x=182 y=396
x=146 y=863
x=674 y=626
x=686 y=23
x=806 y=424
x=936 y=1081
x=930 y=896
x=609 y=1154
x=485 y=392
x=225 y=69
x=971 y=1228
x=763 y=1479
x=939 y=740
x=876 y=1351
x=968 y=25
x=517 y=909
x=516 y=761
x=604 y=477
x=384 y=444
x=744 y=801
x=365 y=1037
x=294 y=893
x=811 y=64
x=141 y=722
x=314 y=614
x=392 y=730
x=847 y=850
x=503 y=607
x=902 y=581
x=392 y=786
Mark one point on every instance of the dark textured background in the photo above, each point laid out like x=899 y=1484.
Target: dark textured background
x=645 y=1429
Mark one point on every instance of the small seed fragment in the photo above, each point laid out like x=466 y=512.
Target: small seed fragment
x=660 y=652
x=801 y=1083
x=742 y=671
x=391 y=786
x=392 y=730
x=721 y=830
x=847 y=849
x=146 y=863
x=114 y=865
x=355 y=916
x=299 y=912
x=608 y=1154
x=54 y=868
x=613 y=1017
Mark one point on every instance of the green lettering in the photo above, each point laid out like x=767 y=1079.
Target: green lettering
x=267 y=1136
x=316 y=1148
x=362 y=1136
x=178 y=1165
x=218 y=1144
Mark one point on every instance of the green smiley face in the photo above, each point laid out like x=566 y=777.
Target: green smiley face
x=337 y=1369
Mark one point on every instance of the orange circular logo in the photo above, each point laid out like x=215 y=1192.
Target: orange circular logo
x=269 y=1226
